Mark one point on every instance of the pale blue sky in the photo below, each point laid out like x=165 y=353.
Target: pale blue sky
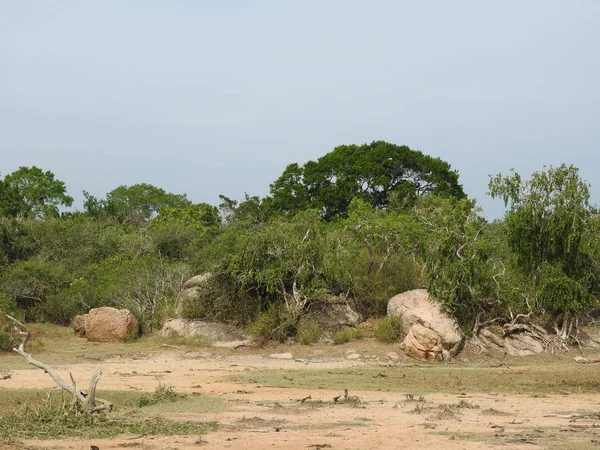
x=217 y=97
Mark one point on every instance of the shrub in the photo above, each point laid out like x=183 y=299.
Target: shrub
x=347 y=334
x=272 y=324
x=163 y=393
x=7 y=306
x=308 y=332
x=388 y=329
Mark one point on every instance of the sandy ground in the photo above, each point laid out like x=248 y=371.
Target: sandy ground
x=258 y=416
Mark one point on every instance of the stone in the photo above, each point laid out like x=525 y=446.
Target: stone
x=417 y=308
x=332 y=314
x=213 y=332
x=353 y=356
x=515 y=340
x=197 y=280
x=190 y=293
x=108 y=324
x=423 y=343
x=79 y=325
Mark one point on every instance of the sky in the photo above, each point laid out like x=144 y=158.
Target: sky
x=219 y=96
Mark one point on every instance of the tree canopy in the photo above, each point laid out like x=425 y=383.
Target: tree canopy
x=31 y=192
x=547 y=224
x=134 y=204
x=372 y=172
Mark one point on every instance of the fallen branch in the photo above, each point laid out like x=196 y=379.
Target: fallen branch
x=86 y=400
x=576 y=416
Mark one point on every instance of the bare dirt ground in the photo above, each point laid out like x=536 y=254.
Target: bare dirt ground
x=253 y=415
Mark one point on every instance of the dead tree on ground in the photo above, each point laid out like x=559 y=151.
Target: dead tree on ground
x=87 y=401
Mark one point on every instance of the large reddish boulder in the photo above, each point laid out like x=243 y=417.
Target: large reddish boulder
x=107 y=324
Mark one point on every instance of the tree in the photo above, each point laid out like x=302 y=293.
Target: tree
x=370 y=171
x=461 y=267
x=547 y=221
x=31 y=192
x=133 y=205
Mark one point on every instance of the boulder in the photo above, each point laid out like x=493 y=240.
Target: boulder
x=423 y=343
x=333 y=314
x=197 y=280
x=108 y=324
x=514 y=339
x=190 y=294
x=211 y=331
x=417 y=308
x=79 y=325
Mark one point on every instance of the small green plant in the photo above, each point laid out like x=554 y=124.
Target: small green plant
x=308 y=332
x=346 y=335
x=272 y=324
x=163 y=393
x=389 y=329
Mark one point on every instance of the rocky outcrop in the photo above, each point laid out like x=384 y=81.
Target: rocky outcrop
x=106 y=324
x=514 y=339
x=423 y=343
x=416 y=308
x=189 y=294
x=332 y=314
x=210 y=331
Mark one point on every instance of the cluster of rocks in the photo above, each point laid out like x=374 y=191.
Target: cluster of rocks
x=430 y=333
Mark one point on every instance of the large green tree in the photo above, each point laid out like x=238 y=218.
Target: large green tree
x=133 y=205
x=372 y=172
x=31 y=192
x=547 y=221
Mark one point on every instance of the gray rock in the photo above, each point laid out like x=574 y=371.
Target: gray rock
x=211 y=331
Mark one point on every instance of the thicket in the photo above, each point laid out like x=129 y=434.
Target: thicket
x=362 y=223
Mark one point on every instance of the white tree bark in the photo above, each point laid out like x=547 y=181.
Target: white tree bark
x=87 y=400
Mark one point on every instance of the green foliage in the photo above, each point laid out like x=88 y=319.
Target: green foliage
x=31 y=192
x=370 y=171
x=308 y=332
x=459 y=259
x=29 y=283
x=389 y=329
x=273 y=324
x=7 y=306
x=133 y=205
x=347 y=334
x=178 y=233
x=548 y=221
x=16 y=241
x=162 y=393
x=374 y=256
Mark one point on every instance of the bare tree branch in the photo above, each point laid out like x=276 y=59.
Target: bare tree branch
x=87 y=400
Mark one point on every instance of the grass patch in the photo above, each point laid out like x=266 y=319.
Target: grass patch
x=530 y=380
x=308 y=332
x=388 y=329
x=15 y=398
x=54 y=418
x=163 y=393
x=346 y=335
